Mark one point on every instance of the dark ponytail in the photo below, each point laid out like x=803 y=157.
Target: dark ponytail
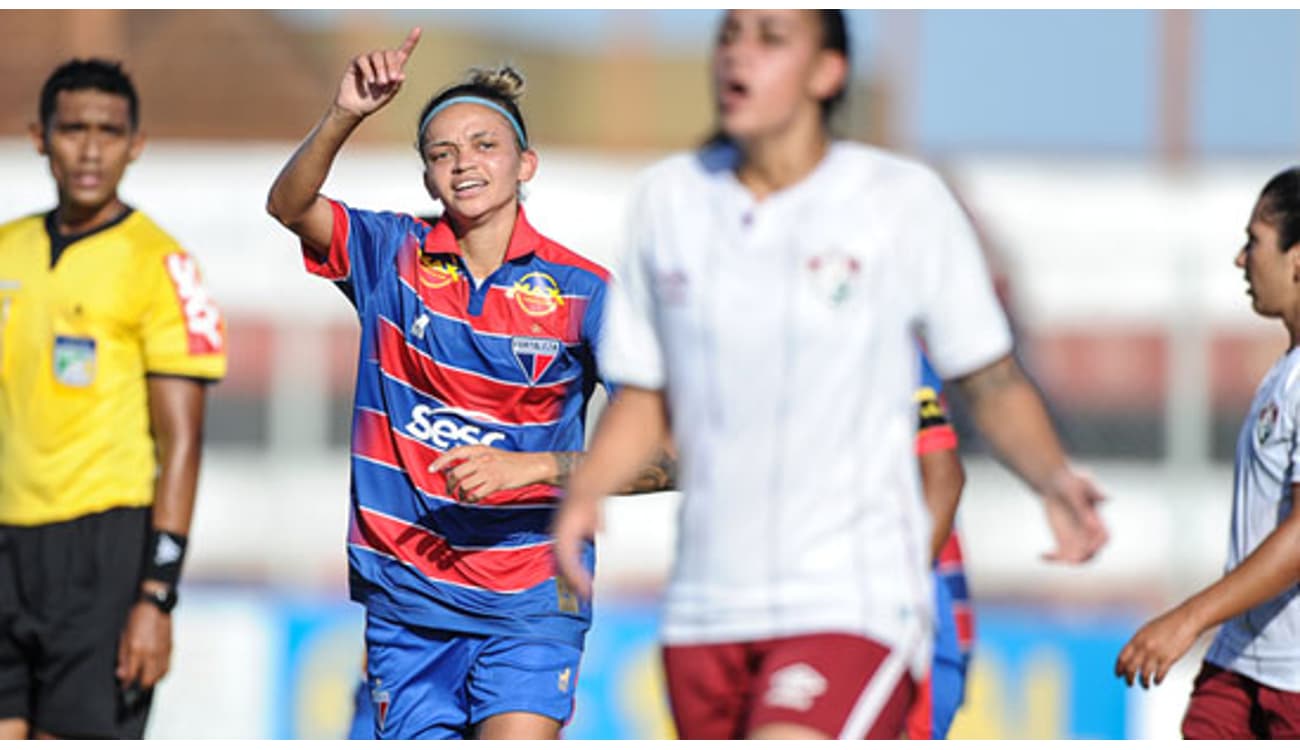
x=1280 y=206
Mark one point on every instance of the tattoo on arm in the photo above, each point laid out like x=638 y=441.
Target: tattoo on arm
x=657 y=476
x=565 y=463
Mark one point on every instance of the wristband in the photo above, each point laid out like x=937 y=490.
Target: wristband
x=166 y=552
x=164 y=600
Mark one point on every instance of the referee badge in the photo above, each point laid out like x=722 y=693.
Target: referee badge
x=1267 y=421
x=74 y=361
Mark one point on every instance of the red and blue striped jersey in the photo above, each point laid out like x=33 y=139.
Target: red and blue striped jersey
x=934 y=433
x=446 y=360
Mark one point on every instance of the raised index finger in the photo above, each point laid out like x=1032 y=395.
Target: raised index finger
x=408 y=45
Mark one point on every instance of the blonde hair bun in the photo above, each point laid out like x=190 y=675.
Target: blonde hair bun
x=503 y=80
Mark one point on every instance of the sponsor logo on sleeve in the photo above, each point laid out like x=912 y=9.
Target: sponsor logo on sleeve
x=202 y=320
x=534 y=355
x=1266 y=422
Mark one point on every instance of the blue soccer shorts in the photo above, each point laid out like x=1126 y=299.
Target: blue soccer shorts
x=440 y=684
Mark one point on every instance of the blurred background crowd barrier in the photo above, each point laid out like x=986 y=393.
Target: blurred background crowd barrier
x=1110 y=160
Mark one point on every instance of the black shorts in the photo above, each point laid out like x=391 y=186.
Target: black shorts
x=65 y=592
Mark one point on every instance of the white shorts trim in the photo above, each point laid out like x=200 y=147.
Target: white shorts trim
x=876 y=692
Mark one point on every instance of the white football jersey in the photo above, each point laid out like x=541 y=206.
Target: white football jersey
x=1264 y=642
x=783 y=333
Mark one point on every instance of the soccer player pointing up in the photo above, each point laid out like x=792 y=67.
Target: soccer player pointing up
x=476 y=364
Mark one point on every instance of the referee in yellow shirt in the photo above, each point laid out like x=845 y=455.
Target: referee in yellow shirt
x=107 y=339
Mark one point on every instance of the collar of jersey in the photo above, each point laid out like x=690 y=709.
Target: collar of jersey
x=523 y=240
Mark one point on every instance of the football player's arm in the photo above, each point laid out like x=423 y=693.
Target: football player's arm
x=1271 y=569
x=176 y=406
x=942 y=480
x=474 y=471
x=1011 y=415
x=369 y=83
x=657 y=476
x=633 y=427
x=942 y=474
x=295 y=200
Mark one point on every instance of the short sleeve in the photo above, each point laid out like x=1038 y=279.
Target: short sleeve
x=593 y=326
x=963 y=322
x=1290 y=419
x=360 y=244
x=933 y=430
x=630 y=352
x=182 y=329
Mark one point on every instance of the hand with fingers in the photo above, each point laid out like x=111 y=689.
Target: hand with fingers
x=577 y=519
x=1150 y=653
x=145 y=647
x=473 y=472
x=374 y=78
x=1071 y=502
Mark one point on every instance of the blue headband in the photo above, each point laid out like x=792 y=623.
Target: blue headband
x=519 y=131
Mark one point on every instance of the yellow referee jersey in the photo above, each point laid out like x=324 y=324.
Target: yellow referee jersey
x=82 y=321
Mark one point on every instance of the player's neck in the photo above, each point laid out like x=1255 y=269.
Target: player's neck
x=484 y=241
x=1292 y=323
x=774 y=162
x=70 y=219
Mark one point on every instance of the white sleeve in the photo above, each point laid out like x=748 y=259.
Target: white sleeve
x=629 y=351
x=962 y=320
x=1290 y=420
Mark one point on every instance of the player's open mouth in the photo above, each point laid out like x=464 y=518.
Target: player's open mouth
x=732 y=92
x=468 y=186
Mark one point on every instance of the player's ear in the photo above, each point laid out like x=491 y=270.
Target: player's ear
x=829 y=75
x=137 y=144
x=527 y=165
x=37 y=134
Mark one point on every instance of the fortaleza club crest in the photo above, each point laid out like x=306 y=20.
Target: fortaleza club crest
x=1266 y=422
x=835 y=276
x=537 y=294
x=534 y=355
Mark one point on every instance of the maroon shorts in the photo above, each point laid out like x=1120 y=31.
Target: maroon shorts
x=1229 y=706
x=838 y=684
